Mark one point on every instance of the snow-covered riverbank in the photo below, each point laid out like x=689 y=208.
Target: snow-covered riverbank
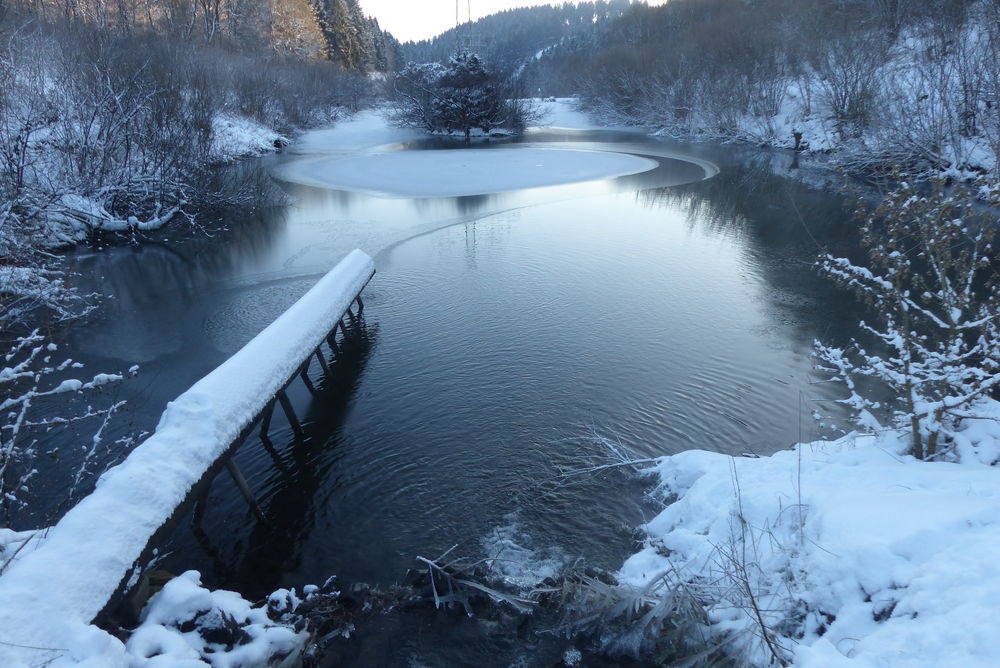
x=850 y=552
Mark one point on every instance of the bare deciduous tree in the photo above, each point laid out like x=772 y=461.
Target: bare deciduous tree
x=932 y=287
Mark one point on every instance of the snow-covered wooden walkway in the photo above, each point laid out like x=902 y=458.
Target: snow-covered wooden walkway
x=87 y=557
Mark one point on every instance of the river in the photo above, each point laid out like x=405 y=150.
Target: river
x=506 y=339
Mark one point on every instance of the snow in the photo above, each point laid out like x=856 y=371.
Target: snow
x=49 y=597
x=563 y=113
x=858 y=555
x=366 y=129
x=236 y=137
x=361 y=154
x=458 y=172
x=169 y=633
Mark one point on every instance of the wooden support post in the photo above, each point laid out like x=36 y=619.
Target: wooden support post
x=265 y=420
x=361 y=305
x=331 y=338
x=322 y=362
x=200 y=506
x=293 y=420
x=241 y=484
x=275 y=456
x=304 y=374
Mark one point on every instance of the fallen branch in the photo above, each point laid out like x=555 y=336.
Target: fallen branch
x=457 y=581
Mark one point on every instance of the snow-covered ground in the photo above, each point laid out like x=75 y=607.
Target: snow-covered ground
x=856 y=554
x=238 y=137
x=178 y=619
x=366 y=129
x=564 y=113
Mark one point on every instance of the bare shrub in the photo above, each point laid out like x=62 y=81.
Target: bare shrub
x=936 y=337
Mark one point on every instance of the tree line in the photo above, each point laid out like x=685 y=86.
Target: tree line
x=907 y=83
x=335 y=30
x=904 y=82
x=510 y=39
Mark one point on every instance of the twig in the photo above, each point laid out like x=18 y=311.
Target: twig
x=522 y=605
x=594 y=469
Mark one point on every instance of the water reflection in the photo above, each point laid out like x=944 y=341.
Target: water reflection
x=291 y=478
x=169 y=275
x=782 y=226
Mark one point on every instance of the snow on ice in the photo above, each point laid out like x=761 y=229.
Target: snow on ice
x=458 y=172
x=361 y=154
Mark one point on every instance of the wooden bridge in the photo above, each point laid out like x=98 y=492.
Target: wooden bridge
x=109 y=534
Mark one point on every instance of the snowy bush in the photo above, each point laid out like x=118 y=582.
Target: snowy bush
x=936 y=343
x=878 y=83
x=101 y=131
x=186 y=624
x=29 y=376
x=39 y=391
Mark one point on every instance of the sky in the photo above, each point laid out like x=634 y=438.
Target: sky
x=408 y=20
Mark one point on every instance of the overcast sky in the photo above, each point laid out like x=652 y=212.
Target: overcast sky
x=412 y=20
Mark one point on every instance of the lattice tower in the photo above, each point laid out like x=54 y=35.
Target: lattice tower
x=464 y=40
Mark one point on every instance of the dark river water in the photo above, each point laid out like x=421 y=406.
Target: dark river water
x=505 y=339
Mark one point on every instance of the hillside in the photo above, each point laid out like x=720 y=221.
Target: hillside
x=335 y=30
x=511 y=39
x=878 y=85
x=898 y=83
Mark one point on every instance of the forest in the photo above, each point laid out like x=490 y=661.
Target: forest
x=109 y=112
x=112 y=115
x=877 y=83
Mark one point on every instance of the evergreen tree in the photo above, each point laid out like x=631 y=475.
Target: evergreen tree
x=342 y=34
x=460 y=97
